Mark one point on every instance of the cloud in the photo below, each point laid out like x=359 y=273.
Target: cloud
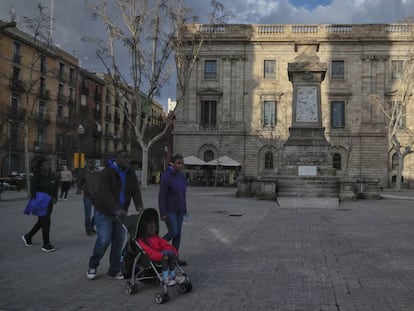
x=73 y=19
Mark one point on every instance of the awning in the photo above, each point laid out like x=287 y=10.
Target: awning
x=224 y=161
x=192 y=160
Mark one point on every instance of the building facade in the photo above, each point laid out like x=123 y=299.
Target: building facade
x=65 y=110
x=239 y=100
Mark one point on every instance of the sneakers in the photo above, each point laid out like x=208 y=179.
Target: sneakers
x=169 y=281
x=91 y=273
x=48 y=248
x=118 y=276
x=26 y=240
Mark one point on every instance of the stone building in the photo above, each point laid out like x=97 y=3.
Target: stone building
x=242 y=98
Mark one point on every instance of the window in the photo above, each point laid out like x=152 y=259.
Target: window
x=40 y=136
x=208 y=155
x=16 y=53
x=269 y=114
x=269 y=69
x=42 y=86
x=338 y=70
x=396 y=69
x=337 y=114
x=16 y=74
x=337 y=161
x=60 y=91
x=210 y=69
x=72 y=75
x=61 y=70
x=269 y=160
x=14 y=105
x=60 y=142
x=208 y=113
x=394 y=161
x=42 y=63
x=41 y=109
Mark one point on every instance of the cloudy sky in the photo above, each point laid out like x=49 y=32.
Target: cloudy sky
x=72 y=19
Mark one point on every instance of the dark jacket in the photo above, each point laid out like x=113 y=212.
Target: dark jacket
x=173 y=188
x=88 y=181
x=107 y=200
x=44 y=183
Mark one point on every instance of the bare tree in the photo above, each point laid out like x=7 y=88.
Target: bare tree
x=394 y=107
x=145 y=34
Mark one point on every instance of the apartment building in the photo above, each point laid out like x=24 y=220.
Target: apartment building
x=239 y=101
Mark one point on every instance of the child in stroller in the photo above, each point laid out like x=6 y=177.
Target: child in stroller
x=146 y=256
x=159 y=250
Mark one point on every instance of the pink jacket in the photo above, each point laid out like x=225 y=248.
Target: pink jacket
x=154 y=246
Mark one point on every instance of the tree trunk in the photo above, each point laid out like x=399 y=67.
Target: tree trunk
x=144 y=179
x=26 y=158
x=399 y=173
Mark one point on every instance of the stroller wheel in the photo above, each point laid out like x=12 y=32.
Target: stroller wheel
x=129 y=288
x=186 y=287
x=161 y=298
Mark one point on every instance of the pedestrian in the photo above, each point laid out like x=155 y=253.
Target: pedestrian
x=117 y=184
x=172 y=201
x=43 y=181
x=87 y=183
x=66 y=182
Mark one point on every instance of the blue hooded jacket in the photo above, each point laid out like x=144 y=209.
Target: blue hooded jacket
x=172 y=194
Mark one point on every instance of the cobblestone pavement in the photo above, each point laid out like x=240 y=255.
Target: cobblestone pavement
x=243 y=254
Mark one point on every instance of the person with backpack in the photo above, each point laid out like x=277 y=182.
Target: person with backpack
x=88 y=183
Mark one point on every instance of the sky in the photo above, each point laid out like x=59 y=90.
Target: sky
x=73 y=20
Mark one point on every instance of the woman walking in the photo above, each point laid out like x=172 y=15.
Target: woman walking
x=66 y=179
x=172 y=201
x=43 y=181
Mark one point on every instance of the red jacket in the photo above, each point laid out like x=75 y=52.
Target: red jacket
x=154 y=246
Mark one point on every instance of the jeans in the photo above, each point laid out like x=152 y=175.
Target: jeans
x=174 y=224
x=109 y=231
x=89 y=221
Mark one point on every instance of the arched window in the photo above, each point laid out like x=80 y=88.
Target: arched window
x=337 y=161
x=269 y=160
x=394 y=161
x=208 y=155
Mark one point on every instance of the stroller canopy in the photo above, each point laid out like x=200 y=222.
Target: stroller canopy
x=136 y=224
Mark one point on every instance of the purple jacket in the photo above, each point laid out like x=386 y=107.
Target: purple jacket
x=172 y=193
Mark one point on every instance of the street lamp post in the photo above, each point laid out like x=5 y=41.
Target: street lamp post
x=81 y=132
x=165 y=157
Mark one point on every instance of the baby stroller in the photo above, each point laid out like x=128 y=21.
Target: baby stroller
x=136 y=264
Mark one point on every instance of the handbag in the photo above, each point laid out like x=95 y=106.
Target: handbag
x=38 y=205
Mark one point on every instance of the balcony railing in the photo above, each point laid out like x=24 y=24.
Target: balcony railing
x=16 y=114
x=44 y=94
x=43 y=118
x=64 y=122
x=17 y=59
x=39 y=146
x=17 y=85
x=108 y=117
x=61 y=99
x=97 y=114
x=14 y=145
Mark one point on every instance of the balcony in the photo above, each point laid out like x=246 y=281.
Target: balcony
x=61 y=99
x=97 y=114
x=64 y=122
x=17 y=85
x=98 y=96
x=14 y=145
x=42 y=119
x=39 y=146
x=108 y=135
x=108 y=116
x=84 y=110
x=72 y=81
x=17 y=59
x=66 y=148
x=44 y=94
x=117 y=119
x=71 y=103
x=62 y=77
x=16 y=114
